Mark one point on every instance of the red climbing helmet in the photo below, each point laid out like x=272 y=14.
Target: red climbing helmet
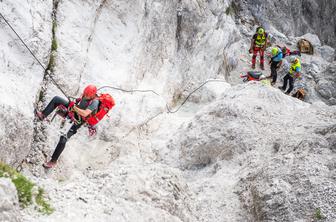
x=90 y=91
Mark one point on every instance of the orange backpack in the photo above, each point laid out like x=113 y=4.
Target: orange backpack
x=106 y=102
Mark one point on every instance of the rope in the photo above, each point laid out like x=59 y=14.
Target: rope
x=169 y=110
x=129 y=90
x=48 y=72
x=185 y=100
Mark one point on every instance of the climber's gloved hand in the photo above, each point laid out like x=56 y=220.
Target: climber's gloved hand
x=71 y=105
x=250 y=50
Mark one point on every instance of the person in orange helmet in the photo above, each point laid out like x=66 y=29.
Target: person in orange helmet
x=87 y=105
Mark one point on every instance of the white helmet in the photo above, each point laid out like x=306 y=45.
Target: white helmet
x=292 y=59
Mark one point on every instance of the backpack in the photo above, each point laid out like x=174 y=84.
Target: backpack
x=305 y=46
x=106 y=102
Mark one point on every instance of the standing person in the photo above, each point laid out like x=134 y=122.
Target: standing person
x=275 y=62
x=258 y=44
x=294 y=73
x=88 y=105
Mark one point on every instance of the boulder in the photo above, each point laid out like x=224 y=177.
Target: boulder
x=9 y=205
x=313 y=39
x=326 y=85
x=327 y=53
x=305 y=46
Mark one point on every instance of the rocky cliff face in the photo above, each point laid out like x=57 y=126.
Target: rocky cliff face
x=9 y=206
x=292 y=17
x=270 y=150
x=22 y=76
x=326 y=85
x=233 y=152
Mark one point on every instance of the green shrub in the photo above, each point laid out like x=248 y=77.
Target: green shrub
x=51 y=63
x=53 y=29
x=24 y=189
x=318 y=214
x=53 y=45
x=23 y=185
x=45 y=207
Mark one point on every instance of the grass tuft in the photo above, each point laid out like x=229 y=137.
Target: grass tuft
x=45 y=207
x=54 y=45
x=318 y=214
x=25 y=188
x=51 y=63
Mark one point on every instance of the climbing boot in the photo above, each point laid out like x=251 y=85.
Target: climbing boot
x=40 y=115
x=262 y=66
x=50 y=164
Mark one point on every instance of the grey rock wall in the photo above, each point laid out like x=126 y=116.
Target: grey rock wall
x=326 y=85
x=286 y=157
x=21 y=73
x=16 y=136
x=293 y=17
x=9 y=205
x=250 y=154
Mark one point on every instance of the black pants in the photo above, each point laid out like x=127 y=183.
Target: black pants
x=274 y=73
x=56 y=101
x=62 y=141
x=290 y=79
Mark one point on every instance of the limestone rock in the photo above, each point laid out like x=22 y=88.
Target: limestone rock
x=9 y=205
x=15 y=136
x=327 y=83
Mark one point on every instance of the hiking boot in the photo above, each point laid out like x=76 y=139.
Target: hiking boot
x=40 y=115
x=273 y=83
x=49 y=164
x=282 y=89
x=253 y=66
x=262 y=67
